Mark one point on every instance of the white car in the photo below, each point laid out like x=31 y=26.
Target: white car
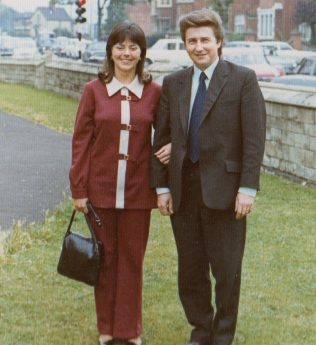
x=168 y=50
x=74 y=46
x=285 y=50
x=25 y=48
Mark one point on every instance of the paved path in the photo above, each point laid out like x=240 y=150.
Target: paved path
x=34 y=164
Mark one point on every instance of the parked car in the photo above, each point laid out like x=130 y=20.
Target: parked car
x=244 y=44
x=60 y=44
x=97 y=57
x=168 y=50
x=6 y=51
x=285 y=50
x=74 y=46
x=94 y=50
x=25 y=48
x=287 y=64
x=6 y=45
x=254 y=59
x=307 y=66
x=305 y=74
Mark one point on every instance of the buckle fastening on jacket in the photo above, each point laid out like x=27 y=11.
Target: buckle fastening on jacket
x=126 y=127
x=123 y=157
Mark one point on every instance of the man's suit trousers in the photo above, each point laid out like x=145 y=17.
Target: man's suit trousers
x=208 y=239
x=118 y=295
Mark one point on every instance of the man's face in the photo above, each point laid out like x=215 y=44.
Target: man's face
x=202 y=46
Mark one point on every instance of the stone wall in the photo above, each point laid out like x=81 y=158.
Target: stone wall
x=291 y=130
x=291 y=111
x=62 y=76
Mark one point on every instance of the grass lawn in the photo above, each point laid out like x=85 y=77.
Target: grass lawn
x=44 y=107
x=277 y=307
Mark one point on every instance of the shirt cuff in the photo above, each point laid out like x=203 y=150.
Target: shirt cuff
x=162 y=190
x=248 y=191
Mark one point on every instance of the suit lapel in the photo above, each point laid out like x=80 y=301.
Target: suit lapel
x=185 y=97
x=217 y=83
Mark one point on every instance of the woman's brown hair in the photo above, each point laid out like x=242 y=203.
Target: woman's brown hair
x=203 y=17
x=121 y=32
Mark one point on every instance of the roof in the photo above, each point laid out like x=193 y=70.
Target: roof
x=23 y=15
x=57 y=14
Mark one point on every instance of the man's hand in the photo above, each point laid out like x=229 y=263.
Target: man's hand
x=164 y=202
x=164 y=154
x=243 y=205
x=81 y=205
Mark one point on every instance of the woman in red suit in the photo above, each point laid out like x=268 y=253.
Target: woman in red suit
x=111 y=152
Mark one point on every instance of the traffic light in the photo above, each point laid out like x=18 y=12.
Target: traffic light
x=80 y=11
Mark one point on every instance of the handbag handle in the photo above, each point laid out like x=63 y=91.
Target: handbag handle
x=97 y=219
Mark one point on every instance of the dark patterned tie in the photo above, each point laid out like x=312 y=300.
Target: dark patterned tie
x=195 y=119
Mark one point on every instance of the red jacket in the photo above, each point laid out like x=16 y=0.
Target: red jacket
x=111 y=145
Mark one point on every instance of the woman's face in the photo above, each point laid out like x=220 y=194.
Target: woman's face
x=125 y=56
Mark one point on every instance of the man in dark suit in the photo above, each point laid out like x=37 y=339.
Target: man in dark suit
x=214 y=115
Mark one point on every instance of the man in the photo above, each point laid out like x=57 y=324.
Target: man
x=215 y=121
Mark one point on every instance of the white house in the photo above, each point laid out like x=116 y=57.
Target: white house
x=49 y=19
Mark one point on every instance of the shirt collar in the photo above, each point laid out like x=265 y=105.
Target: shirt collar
x=136 y=87
x=208 y=71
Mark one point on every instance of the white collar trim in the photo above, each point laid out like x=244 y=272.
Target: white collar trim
x=136 y=87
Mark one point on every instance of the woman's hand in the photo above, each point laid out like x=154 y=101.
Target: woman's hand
x=81 y=205
x=164 y=154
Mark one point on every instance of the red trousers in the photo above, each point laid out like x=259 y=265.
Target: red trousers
x=118 y=295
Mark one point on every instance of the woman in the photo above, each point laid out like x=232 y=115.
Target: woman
x=110 y=168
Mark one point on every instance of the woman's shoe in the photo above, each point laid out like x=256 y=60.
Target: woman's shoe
x=106 y=342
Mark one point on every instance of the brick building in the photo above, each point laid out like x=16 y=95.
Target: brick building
x=242 y=16
x=140 y=13
x=162 y=16
x=268 y=19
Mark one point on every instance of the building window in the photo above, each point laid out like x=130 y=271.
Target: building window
x=184 y=1
x=164 y=24
x=240 y=23
x=164 y=3
x=305 y=31
x=266 y=24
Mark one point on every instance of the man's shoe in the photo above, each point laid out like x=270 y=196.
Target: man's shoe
x=198 y=343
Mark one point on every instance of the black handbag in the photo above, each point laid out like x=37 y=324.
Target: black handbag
x=81 y=256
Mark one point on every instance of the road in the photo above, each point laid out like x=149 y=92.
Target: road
x=34 y=164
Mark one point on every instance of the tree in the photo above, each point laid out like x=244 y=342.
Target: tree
x=116 y=13
x=221 y=6
x=306 y=13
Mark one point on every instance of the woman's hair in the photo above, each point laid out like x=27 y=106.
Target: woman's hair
x=203 y=17
x=119 y=33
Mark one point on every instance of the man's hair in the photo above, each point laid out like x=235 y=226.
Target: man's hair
x=203 y=17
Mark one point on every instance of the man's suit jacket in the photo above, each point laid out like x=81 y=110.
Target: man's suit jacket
x=231 y=134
